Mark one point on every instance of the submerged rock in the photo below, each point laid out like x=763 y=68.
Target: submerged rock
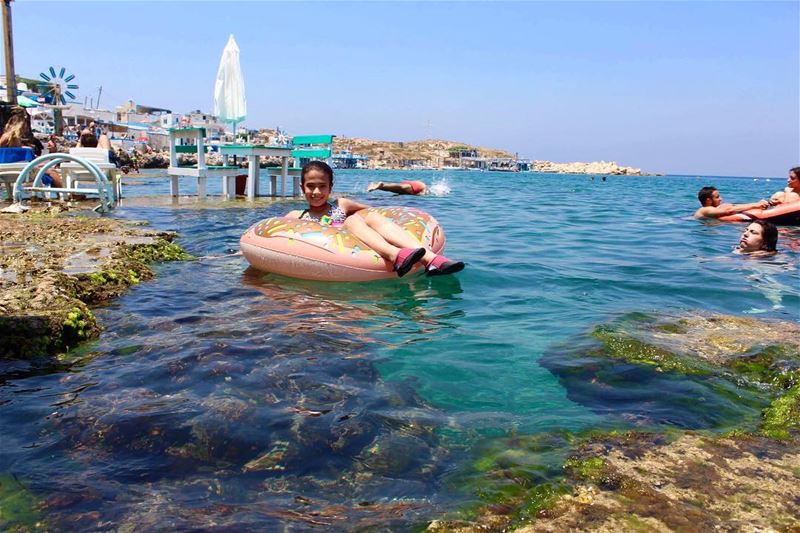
x=665 y=372
x=696 y=370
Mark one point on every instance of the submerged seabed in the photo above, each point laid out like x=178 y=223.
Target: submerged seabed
x=220 y=396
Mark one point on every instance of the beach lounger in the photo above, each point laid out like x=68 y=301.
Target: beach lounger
x=74 y=173
x=12 y=161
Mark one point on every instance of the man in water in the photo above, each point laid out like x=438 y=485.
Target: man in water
x=714 y=208
x=404 y=187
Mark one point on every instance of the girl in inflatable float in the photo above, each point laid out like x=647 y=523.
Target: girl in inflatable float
x=345 y=240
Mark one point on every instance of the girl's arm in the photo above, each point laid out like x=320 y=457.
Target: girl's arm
x=350 y=206
x=293 y=214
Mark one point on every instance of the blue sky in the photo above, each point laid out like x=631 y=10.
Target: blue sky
x=674 y=87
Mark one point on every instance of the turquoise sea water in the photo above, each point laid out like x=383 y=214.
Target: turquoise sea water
x=219 y=396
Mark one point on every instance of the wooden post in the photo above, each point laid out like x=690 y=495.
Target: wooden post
x=8 y=48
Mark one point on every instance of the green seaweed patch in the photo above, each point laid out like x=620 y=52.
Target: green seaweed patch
x=782 y=417
x=587 y=469
x=35 y=332
x=776 y=366
x=671 y=327
x=622 y=346
x=160 y=250
x=79 y=325
x=19 y=508
x=539 y=499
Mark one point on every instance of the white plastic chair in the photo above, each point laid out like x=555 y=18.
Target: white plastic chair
x=75 y=173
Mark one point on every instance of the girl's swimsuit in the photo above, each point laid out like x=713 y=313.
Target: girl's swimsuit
x=333 y=217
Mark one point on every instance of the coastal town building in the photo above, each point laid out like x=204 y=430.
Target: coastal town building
x=347 y=159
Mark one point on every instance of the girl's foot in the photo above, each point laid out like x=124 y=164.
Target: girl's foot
x=406 y=258
x=441 y=266
x=374 y=186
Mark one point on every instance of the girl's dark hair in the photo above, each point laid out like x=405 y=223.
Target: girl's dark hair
x=769 y=234
x=796 y=171
x=322 y=166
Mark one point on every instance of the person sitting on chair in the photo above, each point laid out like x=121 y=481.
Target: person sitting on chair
x=18 y=134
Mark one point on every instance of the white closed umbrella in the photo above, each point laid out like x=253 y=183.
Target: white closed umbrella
x=230 y=104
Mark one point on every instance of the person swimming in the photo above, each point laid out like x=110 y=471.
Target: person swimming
x=404 y=187
x=792 y=191
x=713 y=207
x=388 y=239
x=760 y=238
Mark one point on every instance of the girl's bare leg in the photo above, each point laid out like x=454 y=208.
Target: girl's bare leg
x=358 y=227
x=394 y=234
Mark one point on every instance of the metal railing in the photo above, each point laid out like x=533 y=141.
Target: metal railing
x=105 y=191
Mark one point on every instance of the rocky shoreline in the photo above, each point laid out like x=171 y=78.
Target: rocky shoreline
x=668 y=480
x=54 y=267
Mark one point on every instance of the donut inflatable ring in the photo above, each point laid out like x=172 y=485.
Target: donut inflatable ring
x=306 y=249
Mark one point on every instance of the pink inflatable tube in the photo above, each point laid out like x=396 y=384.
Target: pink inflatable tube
x=781 y=215
x=308 y=250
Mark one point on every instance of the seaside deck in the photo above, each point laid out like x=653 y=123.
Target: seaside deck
x=193 y=141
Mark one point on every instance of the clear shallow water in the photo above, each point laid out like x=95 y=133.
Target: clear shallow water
x=223 y=396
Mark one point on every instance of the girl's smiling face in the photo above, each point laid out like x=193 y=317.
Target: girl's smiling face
x=316 y=188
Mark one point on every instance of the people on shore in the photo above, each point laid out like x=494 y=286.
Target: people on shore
x=18 y=134
x=388 y=239
x=792 y=191
x=404 y=187
x=759 y=239
x=713 y=207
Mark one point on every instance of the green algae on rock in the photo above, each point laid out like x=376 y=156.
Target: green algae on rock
x=783 y=416
x=20 y=510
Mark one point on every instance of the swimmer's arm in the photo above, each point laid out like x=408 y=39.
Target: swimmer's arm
x=293 y=214
x=729 y=209
x=351 y=206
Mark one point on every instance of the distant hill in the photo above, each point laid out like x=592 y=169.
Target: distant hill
x=430 y=152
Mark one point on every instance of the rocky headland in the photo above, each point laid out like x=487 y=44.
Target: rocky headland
x=438 y=153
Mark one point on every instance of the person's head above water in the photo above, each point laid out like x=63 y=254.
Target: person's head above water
x=709 y=196
x=759 y=236
x=793 y=181
x=316 y=179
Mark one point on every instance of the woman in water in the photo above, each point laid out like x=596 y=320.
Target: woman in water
x=388 y=239
x=792 y=191
x=759 y=239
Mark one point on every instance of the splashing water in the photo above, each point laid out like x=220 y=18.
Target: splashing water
x=439 y=187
